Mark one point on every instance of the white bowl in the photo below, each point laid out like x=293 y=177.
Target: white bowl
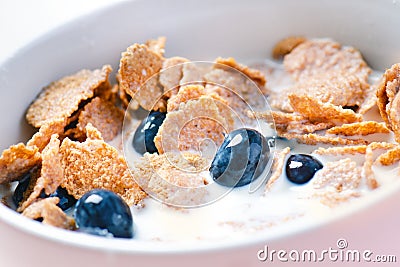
x=199 y=30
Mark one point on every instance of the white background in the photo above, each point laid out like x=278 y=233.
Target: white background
x=21 y=21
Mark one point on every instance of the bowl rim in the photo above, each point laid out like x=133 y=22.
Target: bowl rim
x=81 y=240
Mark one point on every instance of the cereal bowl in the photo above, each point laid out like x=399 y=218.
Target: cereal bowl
x=199 y=31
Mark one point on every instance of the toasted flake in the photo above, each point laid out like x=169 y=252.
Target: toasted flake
x=319 y=56
x=174 y=178
x=109 y=93
x=236 y=88
x=315 y=110
x=95 y=164
x=191 y=125
x=61 y=99
x=171 y=74
x=47 y=210
x=157 y=45
x=137 y=65
x=286 y=46
x=277 y=167
x=339 y=89
x=307 y=127
x=253 y=74
x=42 y=137
x=367 y=173
x=386 y=93
x=103 y=115
x=185 y=93
x=339 y=175
x=370 y=100
x=390 y=157
x=313 y=139
x=16 y=161
x=360 y=149
x=359 y=128
x=194 y=73
x=51 y=173
x=277 y=116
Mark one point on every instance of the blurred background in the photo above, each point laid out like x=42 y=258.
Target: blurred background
x=21 y=21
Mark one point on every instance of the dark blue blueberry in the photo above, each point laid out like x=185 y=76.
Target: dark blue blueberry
x=143 y=140
x=22 y=186
x=66 y=200
x=300 y=168
x=240 y=159
x=102 y=212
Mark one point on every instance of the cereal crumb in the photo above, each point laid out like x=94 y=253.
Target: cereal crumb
x=277 y=167
x=51 y=214
x=367 y=173
x=285 y=46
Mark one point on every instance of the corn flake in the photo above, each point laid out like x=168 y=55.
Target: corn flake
x=367 y=173
x=51 y=172
x=359 y=128
x=173 y=178
x=51 y=214
x=171 y=74
x=316 y=110
x=95 y=164
x=137 y=65
x=319 y=56
x=313 y=139
x=61 y=99
x=104 y=116
x=42 y=137
x=339 y=175
x=194 y=122
x=16 y=161
x=286 y=46
x=277 y=167
x=390 y=157
x=360 y=149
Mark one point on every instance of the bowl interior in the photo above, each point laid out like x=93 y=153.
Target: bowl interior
x=198 y=30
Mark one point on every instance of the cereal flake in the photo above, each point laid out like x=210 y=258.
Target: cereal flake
x=51 y=214
x=104 y=116
x=359 y=128
x=95 y=164
x=61 y=99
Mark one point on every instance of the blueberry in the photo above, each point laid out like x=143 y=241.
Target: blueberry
x=66 y=200
x=143 y=140
x=240 y=159
x=300 y=168
x=102 y=212
x=22 y=186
